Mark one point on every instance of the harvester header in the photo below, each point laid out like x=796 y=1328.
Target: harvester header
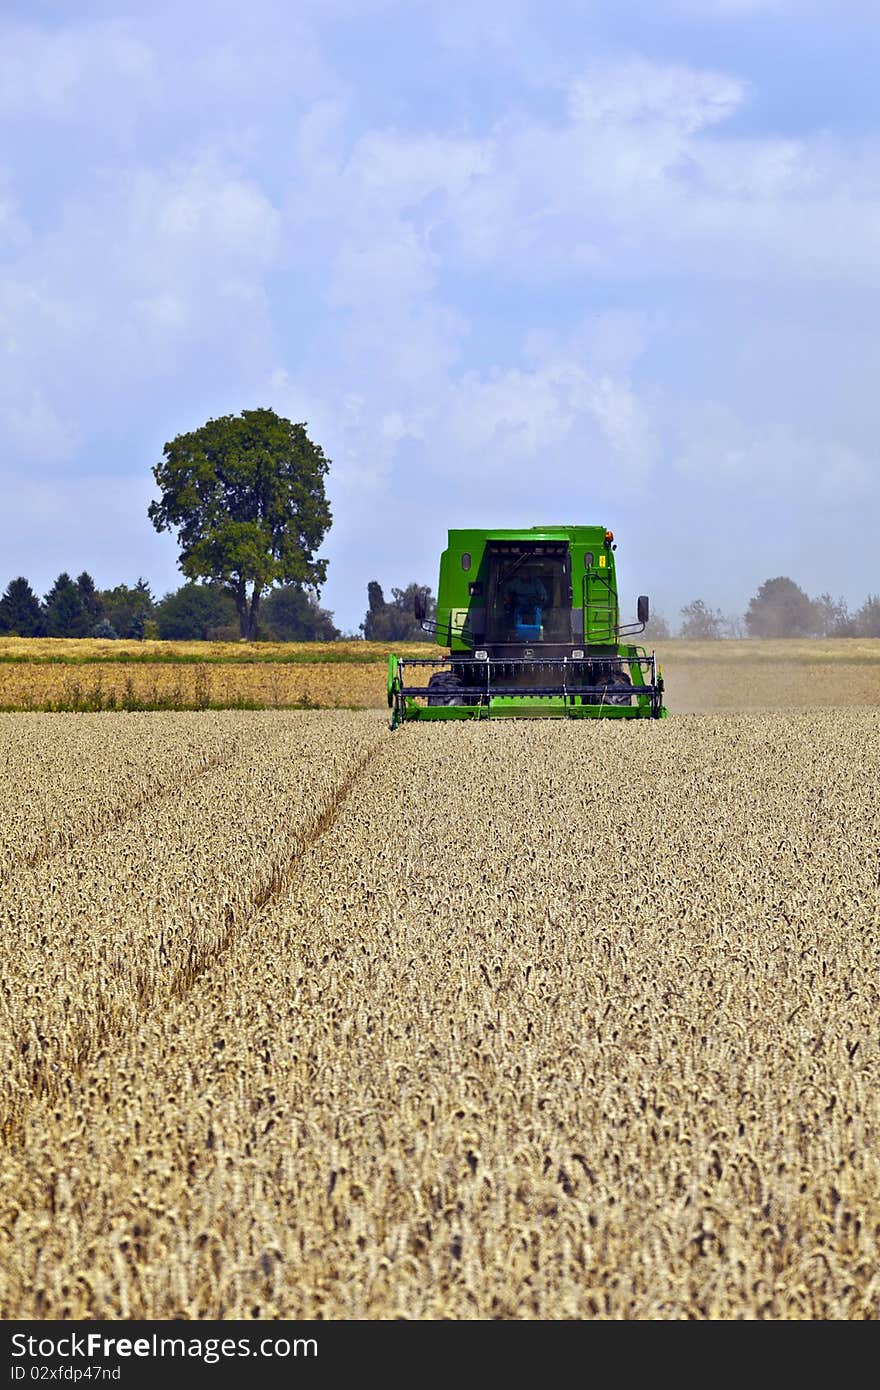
x=530 y=620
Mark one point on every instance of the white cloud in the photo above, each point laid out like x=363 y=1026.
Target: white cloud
x=317 y=141
x=404 y=169
x=379 y=271
x=722 y=454
x=126 y=280
x=50 y=73
x=640 y=93
x=637 y=192
x=31 y=427
x=520 y=419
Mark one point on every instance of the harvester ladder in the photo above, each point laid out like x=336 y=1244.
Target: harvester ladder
x=600 y=610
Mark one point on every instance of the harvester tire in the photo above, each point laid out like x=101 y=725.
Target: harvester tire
x=444 y=687
x=618 y=690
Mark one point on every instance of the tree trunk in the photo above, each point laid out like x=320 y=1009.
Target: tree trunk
x=241 y=605
x=252 y=614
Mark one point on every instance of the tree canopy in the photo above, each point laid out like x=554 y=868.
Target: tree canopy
x=89 y=596
x=701 y=623
x=395 y=621
x=20 y=611
x=194 y=613
x=246 y=496
x=780 y=608
x=127 y=608
x=867 y=620
x=64 y=613
x=656 y=628
x=291 y=614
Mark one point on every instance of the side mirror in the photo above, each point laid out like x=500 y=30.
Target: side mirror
x=420 y=608
x=643 y=608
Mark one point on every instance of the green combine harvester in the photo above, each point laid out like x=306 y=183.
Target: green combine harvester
x=532 y=626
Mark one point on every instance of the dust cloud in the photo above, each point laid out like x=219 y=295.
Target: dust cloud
x=716 y=676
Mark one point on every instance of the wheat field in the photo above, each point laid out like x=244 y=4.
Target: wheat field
x=178 y=686
x=83 y=675
x=305 y=1019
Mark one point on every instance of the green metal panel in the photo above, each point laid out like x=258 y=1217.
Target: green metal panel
x=455 y=601
x=528 y=707
x=414 y=711
x=504 y=707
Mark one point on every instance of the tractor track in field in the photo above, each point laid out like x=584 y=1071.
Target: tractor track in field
x=124 y=815
x=279 y=880
x=65 y=1075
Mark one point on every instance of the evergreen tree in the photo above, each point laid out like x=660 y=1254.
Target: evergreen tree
x=91 y=599
x=64 y=613
x=20 y=611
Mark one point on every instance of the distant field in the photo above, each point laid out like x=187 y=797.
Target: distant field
x=702 y=677
x=89 y=651
x=86 y=674
x=842 y=649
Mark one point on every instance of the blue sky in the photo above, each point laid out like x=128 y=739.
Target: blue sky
x=511 y=263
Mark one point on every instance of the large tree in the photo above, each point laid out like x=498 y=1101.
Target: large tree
x=91 y=599
x=656 y=629
x=20 y=610
x=867 y=619
x=396 y=621
x=833 y=617
x=246 y=495
x=780 y=608
x=64 y=612
x=701 y=623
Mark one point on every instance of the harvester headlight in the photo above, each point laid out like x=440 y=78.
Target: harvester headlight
x=482 y=654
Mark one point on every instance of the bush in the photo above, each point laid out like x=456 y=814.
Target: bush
x=194 y=612
x=290 y=614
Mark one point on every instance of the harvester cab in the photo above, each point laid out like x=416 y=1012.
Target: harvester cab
x=530 y=622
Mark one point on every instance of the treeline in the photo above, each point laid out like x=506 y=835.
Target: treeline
x=194 y=612
x=290 y=613
x=780 y=608
x=197 y=613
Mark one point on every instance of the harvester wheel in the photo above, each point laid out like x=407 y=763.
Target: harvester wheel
x=618 y=690
x=444 y=687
